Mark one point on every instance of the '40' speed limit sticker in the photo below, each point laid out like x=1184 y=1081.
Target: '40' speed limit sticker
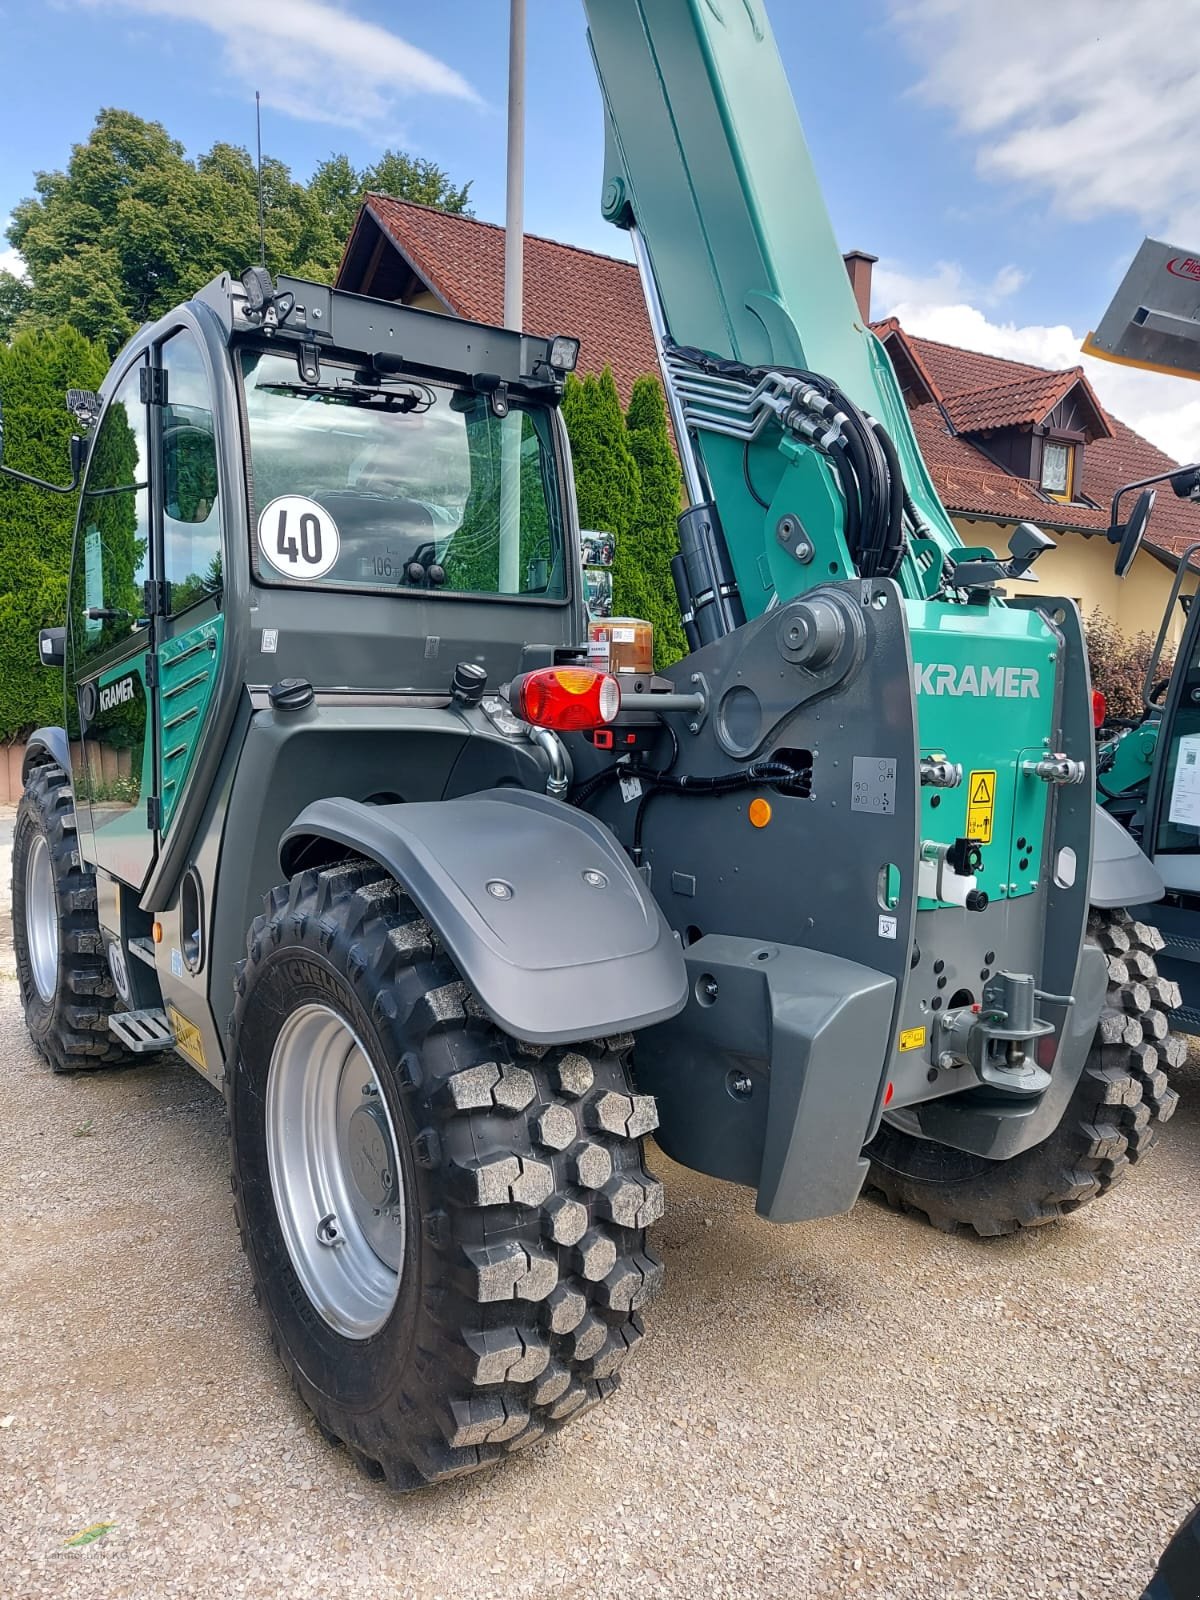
x=298 y=537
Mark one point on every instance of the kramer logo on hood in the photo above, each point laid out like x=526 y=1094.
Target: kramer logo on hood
x=1007 y=683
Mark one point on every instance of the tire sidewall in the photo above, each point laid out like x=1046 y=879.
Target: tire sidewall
x=356 y=1374
x=41 y=1015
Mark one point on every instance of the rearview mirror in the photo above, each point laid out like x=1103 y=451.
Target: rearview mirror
x=597 y=551
x=84 y=406
x=1128 y=536
x=52 y=647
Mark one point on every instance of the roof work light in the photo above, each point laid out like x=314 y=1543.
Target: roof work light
x=564 y=353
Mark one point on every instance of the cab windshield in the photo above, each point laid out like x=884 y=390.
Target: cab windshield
x=400 y=485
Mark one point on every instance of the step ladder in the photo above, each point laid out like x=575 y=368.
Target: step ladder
x=143 y=1032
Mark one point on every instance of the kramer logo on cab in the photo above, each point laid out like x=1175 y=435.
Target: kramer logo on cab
x=116 y=694
x=1009 y=683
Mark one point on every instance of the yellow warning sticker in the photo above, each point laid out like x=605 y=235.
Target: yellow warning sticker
x=981 y=803
x=912 y=1038
x=187 y=1038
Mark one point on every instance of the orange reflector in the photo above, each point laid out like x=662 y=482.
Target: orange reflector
x=760 y=813
x=156 y=931
x=888 y=1093
x=566 y=698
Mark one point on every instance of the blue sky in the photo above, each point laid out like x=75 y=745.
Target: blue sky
x=1003 y=161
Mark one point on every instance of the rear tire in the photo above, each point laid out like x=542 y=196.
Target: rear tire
x=519 y=1200
x=1111 y=1121
x=66 y=987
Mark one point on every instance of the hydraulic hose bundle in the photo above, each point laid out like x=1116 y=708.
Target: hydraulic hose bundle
x=858 y=448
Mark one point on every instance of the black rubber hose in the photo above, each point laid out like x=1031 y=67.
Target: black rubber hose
x=729 y=783
x=839 y=459
x=893 y=552
x=589 y=786
x=753 y=492
x=869 y=519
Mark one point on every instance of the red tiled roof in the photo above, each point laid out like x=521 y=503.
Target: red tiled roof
x=971 y=484
x=1023 y=400
x=567 y=290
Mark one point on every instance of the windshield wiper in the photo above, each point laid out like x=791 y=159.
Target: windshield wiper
x=405 y=401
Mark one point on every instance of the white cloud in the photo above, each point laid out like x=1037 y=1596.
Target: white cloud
x=313 y=60
x=1164 y=410
x=946 y=284
x=1093 y=101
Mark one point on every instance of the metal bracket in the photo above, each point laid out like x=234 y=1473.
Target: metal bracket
x=152 y=386
x=156 y=597
x=309 y=360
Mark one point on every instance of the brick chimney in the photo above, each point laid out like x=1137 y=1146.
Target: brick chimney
x=858 y=265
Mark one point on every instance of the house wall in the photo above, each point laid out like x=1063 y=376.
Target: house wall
x=1082 y=570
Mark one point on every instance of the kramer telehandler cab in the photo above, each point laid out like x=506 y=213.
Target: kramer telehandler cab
x=448 y=890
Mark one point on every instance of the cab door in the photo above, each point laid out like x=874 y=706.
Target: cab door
x=109 y=681
x=188 y=511
x=1172 y=832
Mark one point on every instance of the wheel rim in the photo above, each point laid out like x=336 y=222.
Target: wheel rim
x=41 y=917
x=335 y=1172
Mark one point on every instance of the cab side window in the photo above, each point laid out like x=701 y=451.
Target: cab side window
x=191 y=503
x=112 y=552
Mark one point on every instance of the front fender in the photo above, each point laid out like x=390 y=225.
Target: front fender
x=43 y=745
x=534 y=900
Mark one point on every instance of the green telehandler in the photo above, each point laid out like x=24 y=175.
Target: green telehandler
x=345 y=811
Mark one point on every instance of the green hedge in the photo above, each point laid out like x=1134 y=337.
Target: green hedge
x=627 y=483
x=36 y=371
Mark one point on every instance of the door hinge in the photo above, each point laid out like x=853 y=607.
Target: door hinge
x=152 y=384
x=154 y=813
x=156 y=597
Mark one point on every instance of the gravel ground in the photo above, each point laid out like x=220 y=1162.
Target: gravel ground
x=856 y=1407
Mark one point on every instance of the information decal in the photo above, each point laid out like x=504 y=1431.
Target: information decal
x=298 y=537
x=1184 y=810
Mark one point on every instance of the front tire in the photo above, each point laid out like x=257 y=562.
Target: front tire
x=66 y=988
x=445 y=1228
x=1111 y=1121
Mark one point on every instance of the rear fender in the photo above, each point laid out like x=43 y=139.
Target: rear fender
x=535 y=902
x=1121 y=874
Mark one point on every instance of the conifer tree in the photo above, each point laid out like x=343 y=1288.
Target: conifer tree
x=36 y=371
x=607 y=481
x=653 y=538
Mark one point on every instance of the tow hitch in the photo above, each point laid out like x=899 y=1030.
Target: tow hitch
x=996 y=1038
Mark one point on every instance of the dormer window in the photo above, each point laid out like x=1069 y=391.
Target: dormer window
x=1058 y=469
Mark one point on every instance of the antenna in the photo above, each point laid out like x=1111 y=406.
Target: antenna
x=262 y=236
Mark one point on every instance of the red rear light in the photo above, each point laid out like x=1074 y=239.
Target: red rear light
x=1099 y=708
x=566 y=698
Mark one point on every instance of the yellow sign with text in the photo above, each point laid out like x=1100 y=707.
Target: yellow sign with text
x=912 y=1038
x=187 y=1038
x=981 y=804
